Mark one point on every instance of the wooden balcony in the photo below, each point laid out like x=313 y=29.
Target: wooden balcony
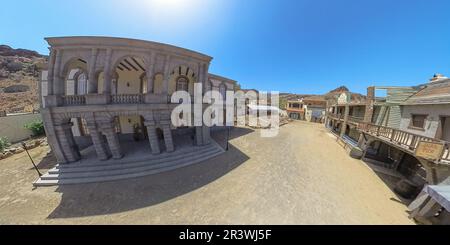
x=355 y=119
x=295 y=109
x=405 y=140
x=336 y=116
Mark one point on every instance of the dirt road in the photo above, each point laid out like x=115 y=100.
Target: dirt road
x=300 y=177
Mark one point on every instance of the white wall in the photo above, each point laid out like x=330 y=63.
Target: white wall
x=133 y=78
x=13 y=126
x=431 y=123
x=310 y=111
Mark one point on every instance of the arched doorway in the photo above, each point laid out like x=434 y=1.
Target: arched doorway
x=130 y=74
x=129 y=78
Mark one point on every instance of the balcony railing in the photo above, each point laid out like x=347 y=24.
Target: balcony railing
x=336 y=116
x=72 y=100
x=406 y=140
x=356 y=119
x=127 y=99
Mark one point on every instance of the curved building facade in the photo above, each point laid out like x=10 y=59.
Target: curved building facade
x=101 y=89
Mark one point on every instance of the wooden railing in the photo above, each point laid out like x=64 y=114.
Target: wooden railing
x=336 y=116
x=127 y=99
x=69 y=100
x=355 y=119
x=405 y=140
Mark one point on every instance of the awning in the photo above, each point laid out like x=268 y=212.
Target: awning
x=440 y=193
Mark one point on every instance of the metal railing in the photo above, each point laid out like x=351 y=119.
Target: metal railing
x=74 y=100
x=406 y=140
x=127 y=98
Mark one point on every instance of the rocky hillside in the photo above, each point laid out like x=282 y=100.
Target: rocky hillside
x=19 y=75
x=332 y=95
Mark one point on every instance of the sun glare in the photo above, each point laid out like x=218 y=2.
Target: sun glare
x=170 y=4
x=174 y=15
x=173 y=8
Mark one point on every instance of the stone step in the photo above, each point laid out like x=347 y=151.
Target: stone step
x=128 y=160
x=113 y=166
x=134 y=174
x=128 y=169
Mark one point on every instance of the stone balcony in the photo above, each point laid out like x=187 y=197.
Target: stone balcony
x=103 y=99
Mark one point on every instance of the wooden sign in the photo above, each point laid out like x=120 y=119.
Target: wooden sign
x=430 y=150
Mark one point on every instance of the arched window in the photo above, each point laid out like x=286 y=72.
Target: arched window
x=81 y=83
x=223 y=91
x=182 y=84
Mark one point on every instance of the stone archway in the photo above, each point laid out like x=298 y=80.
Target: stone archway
x=182 y=77
x=130 y=71
x=71 y=72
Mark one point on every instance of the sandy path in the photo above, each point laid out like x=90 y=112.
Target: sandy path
x=300 y=177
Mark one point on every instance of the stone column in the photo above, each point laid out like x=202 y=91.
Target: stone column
x=152 y=137
x=113 y=140
x=344 y=123
x=114 y=80
x=65 y=137
x=150 y=73
x=107 y=73
x=206 y=133
x=58 y=86
x=199 y=135
x=51 y=66
x=51 y=135
x=205 y=78
x=165 y=88
x=97 y=140
x=92 y=79
x=200 y=78
x=167 y=135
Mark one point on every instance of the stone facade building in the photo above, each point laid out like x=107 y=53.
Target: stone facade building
x=103 y=88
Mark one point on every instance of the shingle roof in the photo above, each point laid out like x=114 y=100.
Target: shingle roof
x=431 y=93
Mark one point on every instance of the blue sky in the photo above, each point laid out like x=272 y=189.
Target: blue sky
x=298 y=46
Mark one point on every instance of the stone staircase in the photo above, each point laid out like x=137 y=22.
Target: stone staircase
x=112 y=170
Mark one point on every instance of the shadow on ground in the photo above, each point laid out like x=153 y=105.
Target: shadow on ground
x=48 y=162
x=390 y=181
x=119 y=196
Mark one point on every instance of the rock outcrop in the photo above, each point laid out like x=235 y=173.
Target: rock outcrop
x=19 y=73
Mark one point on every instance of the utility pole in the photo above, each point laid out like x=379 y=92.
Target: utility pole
x=31 y=159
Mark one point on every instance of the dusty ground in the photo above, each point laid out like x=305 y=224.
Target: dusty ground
x=300 y=177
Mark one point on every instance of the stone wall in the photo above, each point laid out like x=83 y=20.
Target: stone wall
x=13 y=126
